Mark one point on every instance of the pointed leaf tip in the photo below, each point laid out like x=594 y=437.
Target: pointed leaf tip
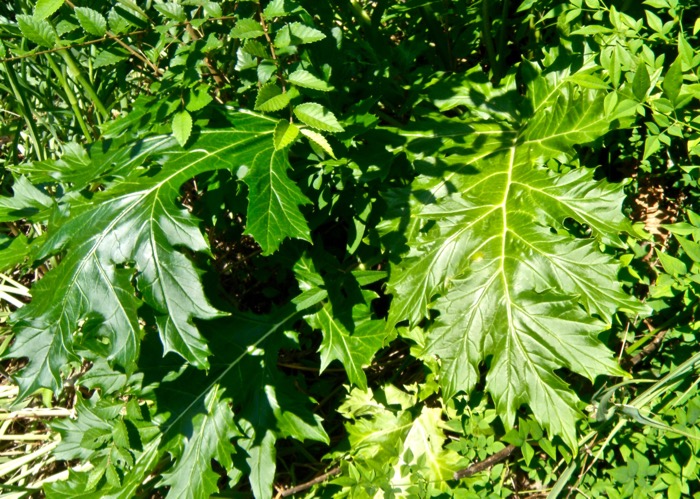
x=247 y=28
x=317 y=116
x=319 y=140
x=182 y=127
x=91 y=21
x=297 y=34
x=285 y=134
x=271 y=98
x=37 y=30
x=45 y=8
x=305 y=79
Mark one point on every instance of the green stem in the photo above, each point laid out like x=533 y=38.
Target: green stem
x=502 y=33
x=362 y=15
x=85 y=84
x=487 y=38
x=72 y=100
x=668 y=324
x=26 y=110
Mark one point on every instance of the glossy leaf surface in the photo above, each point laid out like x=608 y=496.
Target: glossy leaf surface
x=492 y=254
x=128 y=238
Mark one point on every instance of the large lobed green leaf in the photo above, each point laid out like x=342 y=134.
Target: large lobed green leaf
x=121 y=248
x=490 y=252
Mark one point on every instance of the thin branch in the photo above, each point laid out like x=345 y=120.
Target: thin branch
x=109 y=36
x=304 y=486
x=649 y=348
x=219 y=79
x=67 y=47
x=280 y=74
x=136 y=53
x=267 y=34
x=299 y=367
x=499 y=456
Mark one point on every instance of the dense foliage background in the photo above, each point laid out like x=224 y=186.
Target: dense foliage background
x=411 y=248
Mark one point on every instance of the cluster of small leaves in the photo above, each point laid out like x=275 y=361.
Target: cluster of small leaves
x=401 y=227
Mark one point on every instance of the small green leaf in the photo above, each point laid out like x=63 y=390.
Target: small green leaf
x=317 y=116
x=657 y=4
x=244 y=60
x=64 y=26
x=117 y=24
x=592 y=30
x=271 y=98
x=120 y=435
x=528 y=452
x=297 y=34
x=651 y=145
x=171 y=11
x=112 y=475
x=588 y=81
x=94 y=438
x=610 y=103
x=672 y=265
x=28 y=202
x=102 y=376
x=685 y=51
x=45 y=8
x=610 y=60
x=265 y=71
x=319 y=140
x=276 y=8
x=211 y=9
x=641 y=82
x=693 y=217
x=198 y=98
x=673 y=80
x=247 y=28
x=38 y=31
x=91 y=21
x=654 y=22
x=182 y=127
x=691 y=248
x=285 y=133
x=305 y=79
x=254 y=47
x=109 y=56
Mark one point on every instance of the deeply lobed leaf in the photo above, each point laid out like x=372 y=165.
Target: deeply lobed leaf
x=491 y=254
x=126 y=255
